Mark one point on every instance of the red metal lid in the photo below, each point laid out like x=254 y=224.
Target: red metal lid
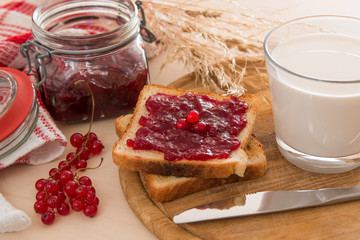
x=16 y=99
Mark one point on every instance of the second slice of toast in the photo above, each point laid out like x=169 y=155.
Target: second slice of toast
x=151 y=161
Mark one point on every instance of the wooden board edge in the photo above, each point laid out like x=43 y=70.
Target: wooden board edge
x=149 y=214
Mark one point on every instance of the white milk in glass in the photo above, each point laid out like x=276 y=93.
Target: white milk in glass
x=316 y=117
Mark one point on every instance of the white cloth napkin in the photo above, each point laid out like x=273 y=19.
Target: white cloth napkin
x=11 y=219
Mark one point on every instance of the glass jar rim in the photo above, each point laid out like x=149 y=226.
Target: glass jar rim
x=268 y=55
x=113 y=38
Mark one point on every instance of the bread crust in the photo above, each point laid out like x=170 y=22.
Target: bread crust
x=121 y=123
x=165 y=188
x=153 y=161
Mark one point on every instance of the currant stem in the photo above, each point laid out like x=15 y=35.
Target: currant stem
x=90 y=125
x=92 y=103
x=90 y=168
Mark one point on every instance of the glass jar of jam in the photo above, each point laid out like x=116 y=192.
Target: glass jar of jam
x=19 y=110
x=95 y=41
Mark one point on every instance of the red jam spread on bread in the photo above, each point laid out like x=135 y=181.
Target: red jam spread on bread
x=190 y=126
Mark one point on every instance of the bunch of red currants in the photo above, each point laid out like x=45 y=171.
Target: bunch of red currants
x=64 y=189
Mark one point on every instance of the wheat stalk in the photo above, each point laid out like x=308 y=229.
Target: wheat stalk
x=223 y=47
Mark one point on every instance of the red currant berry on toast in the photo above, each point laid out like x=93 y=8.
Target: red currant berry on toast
x=182 y=124
x=199 y=127
x=193 y=116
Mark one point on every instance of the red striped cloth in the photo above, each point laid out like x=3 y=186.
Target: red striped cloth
x=15 y=25
x=47 y=142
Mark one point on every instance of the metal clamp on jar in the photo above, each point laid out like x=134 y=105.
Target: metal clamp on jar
x=95 y=41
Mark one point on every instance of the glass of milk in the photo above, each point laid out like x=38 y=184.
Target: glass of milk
x=313 y=66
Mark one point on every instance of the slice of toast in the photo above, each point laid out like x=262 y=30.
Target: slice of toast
x=151 y=161
x=166 y=188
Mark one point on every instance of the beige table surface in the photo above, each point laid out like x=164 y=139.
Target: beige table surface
x=115 y=220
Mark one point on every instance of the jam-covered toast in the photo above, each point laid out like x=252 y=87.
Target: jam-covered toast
x=166 y=188
x=154 y=162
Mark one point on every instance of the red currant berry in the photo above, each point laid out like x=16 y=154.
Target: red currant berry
x=193 y=116
x=85 y=180
x=90 y=189
x=182 y=124
x=92 y=137
x=90 y=210
x=40 y=184
x=41 y=195
x=130 y=142
x=84 y=152
x=96 y=147
x=81 y=191
x=64 y=165
x=40 y=207
x=71 y=158
x=77 y=205
x=60 y=187
x=48 y=217
x=66 y=176
x=53 y=201
x=73 y=198
x=76 y=140
x=51 y=187
x=54 y=173
x=200 y=127
x=70 y=188
x=96 y=201
x=81 y=164
x=63 y=209
x=61 y=195
x=90 y=196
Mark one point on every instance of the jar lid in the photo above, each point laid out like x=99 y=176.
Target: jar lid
x=16 y=100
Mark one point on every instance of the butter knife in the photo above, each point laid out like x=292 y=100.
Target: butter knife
x=267 y=202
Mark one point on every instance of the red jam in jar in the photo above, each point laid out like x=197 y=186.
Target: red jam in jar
x=167 y=129
x=98 y=42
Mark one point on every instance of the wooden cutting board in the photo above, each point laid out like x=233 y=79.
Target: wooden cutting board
x=340 y=221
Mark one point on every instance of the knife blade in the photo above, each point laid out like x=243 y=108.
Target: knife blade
x=267 y=202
